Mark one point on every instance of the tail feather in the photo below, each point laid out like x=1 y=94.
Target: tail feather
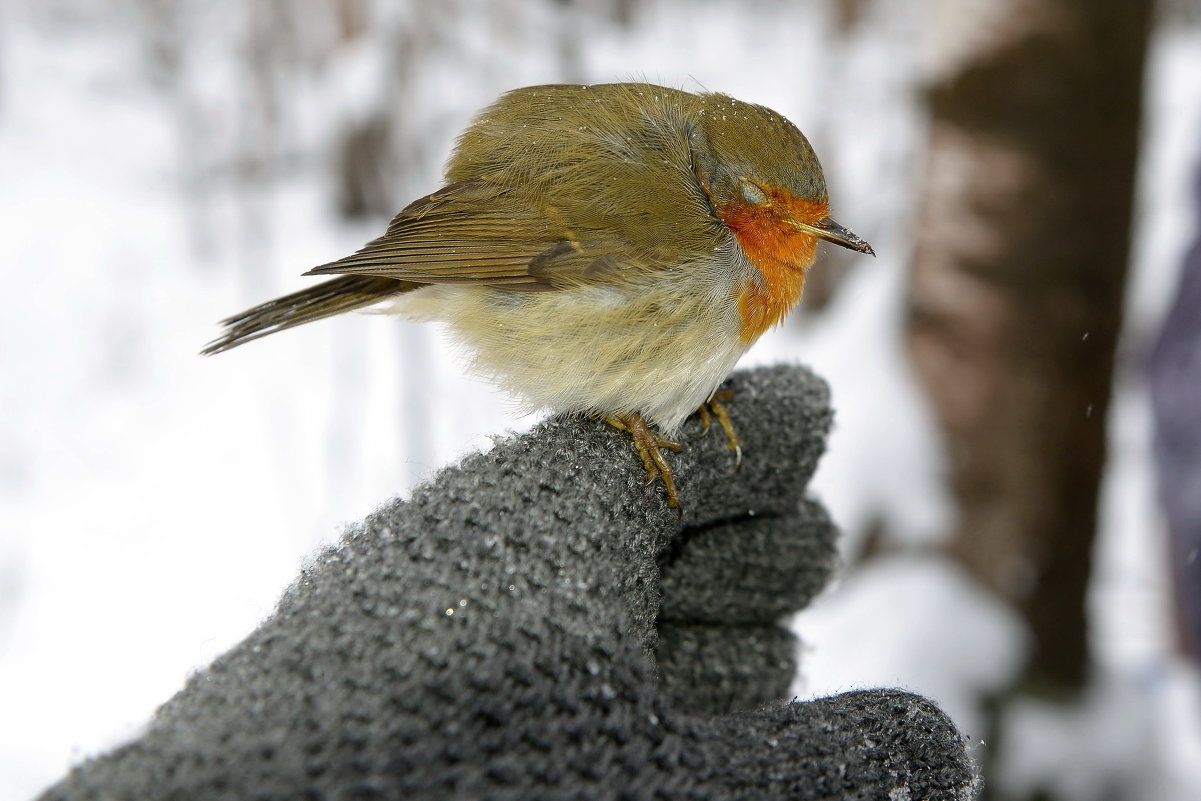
x=315 y=303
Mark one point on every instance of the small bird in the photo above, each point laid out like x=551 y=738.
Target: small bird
x=608 y=250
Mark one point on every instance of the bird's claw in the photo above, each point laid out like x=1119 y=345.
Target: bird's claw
x=649 y=446
x=715 y=407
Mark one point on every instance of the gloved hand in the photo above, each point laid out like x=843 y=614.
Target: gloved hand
x=537 y=624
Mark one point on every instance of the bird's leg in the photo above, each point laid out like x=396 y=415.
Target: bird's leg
x=716 y=407
x=648 y=445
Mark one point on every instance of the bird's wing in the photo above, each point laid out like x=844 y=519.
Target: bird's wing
x=478 y=232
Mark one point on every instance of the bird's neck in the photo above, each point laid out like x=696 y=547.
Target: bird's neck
x=781 y=254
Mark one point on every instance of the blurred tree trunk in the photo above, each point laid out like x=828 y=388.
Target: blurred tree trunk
x=1017 y=287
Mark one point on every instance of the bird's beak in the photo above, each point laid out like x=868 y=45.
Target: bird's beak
x=831 y=231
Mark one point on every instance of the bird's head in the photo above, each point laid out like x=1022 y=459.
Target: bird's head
x=764 y=181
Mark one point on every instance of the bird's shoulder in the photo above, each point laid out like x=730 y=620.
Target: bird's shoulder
x=608 y=156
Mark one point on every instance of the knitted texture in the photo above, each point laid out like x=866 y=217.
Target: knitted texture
x=537 y=624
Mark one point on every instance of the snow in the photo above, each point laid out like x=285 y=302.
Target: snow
x=917 y=622
x=153 y=504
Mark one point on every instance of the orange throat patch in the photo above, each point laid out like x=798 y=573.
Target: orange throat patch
x=781 y=255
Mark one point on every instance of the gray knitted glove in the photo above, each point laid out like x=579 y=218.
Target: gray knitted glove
x=537 y=624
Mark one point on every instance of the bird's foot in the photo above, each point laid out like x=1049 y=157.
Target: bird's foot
x=715 y=407
x=649 y=446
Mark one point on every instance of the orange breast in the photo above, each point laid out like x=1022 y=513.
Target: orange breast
x=780 y=253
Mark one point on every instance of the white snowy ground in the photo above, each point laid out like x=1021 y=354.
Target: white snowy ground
x=153 y=504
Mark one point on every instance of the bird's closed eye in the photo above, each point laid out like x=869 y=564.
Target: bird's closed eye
x=751 y=192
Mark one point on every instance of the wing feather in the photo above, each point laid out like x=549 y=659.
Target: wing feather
x=478 y=232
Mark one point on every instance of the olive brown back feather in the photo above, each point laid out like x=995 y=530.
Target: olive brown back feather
x=475 y=232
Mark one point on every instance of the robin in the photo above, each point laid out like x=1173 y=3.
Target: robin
x=608 y=250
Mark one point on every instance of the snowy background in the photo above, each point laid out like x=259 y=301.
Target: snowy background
x=163 y=164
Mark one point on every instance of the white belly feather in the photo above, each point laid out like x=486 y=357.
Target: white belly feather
x=605 y=350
